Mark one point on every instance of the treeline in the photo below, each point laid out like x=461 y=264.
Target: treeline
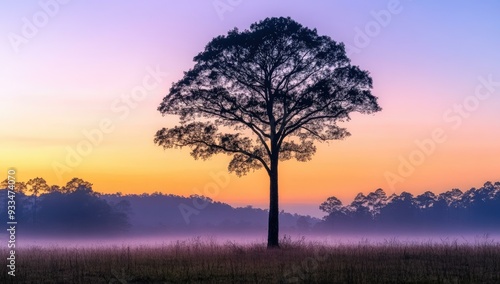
x=477 y=209
x=76 y=209
x=168 y=213
x=72 y=209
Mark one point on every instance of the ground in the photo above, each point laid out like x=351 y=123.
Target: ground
x=198 y=261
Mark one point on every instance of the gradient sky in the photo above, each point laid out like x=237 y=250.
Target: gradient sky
x=69 y=73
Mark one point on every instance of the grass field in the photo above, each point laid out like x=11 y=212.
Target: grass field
x=198 y=261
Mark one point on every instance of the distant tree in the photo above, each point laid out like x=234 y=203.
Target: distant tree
x=425 y=205
x=82 y=211
x=74 y=184
x=19 y=186
x=23 y=212
x=360 y=211
x=362 y=216
x=332 y=204
x=451 y=210
x=4 y=184
x=376 y=200
x=425 y=200
x=55 y=188
x=36 y=186
x=485 y=209
x=265 y=95
x=401 y=211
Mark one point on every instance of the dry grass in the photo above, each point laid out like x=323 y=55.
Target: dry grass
x=199 y=261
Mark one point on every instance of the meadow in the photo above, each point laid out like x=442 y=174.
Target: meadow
x=298 y=261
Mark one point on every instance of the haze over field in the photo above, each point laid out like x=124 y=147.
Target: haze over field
x=77 y=216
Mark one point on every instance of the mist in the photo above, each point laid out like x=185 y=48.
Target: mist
x=257 y=238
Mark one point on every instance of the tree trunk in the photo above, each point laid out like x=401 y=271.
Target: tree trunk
x=34 y=210
x=273 y=230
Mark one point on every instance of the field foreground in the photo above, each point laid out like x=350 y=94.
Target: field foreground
x=199 y=261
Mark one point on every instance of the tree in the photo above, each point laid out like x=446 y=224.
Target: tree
x=37 y=186
x=400 y=212
x=265 y=95
x=22 y=203
x=332 y=204
x=81 y=211
x=19 y=186
x=74 y=184
x=55 y=188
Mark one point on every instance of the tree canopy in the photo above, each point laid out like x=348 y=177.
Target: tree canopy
x=278 y=81
x=265 y=95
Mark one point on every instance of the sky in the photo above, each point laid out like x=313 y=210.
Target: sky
x=81 y=82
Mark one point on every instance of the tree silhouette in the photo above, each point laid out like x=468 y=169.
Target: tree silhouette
x=451 y=211
x=36 y=186
x=74 y=184
x=55 y=188
x=265 y=95
x=82 y=211
x=19 y=187
x=332 y=204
